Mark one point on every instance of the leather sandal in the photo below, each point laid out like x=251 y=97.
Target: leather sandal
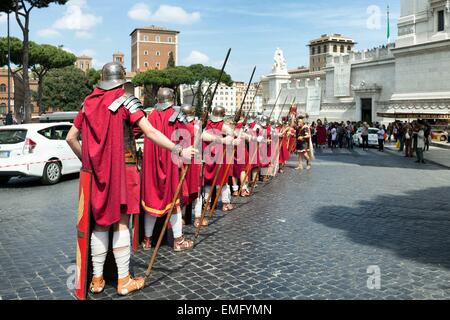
x=236 y=194
x=205 y=222
x=147 y=243
x=245 y=193
x=181 y=244
x=227 y=207
x=97 y=285
x=128 y=285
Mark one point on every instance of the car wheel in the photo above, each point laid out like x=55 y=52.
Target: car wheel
x=443 y=138
x=4 y=180
x=52 y=173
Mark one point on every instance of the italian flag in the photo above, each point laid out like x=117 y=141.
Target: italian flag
x=388 y=32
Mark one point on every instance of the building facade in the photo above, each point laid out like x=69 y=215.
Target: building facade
x=151 y=48
x=325 y=45
x=84 y=63
x=411 y=76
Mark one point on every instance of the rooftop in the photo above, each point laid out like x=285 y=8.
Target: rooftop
x=335 y=37
x=155 y=28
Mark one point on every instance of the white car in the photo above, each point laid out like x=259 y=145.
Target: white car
x=37 y=150
x=373 y=137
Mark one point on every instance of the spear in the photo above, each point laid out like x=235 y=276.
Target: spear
x=180 y=186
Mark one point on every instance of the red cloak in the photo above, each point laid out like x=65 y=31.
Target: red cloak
x=321 y=135
x=113 y=183
x=266 y=155
x=160 y=174
x=212 y=151
x=193 y=174
x=241 y=158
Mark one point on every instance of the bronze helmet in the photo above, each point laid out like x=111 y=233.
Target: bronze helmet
x=113 y=76
x=218 y=114
x=189 y=111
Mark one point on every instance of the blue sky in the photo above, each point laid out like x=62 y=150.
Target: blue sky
x=252 y=28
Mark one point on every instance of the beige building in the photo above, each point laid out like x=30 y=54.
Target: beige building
x=325 y=45
x=119 y=57
x=151 y=48
x=84 y=63
x=240 y=88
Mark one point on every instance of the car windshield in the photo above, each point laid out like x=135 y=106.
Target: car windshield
x=12 y=136
x=373 y=131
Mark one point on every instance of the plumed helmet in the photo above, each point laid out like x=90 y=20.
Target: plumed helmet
x=189 y=111
x=113 y=76
x=218 y=114
x=165 y=98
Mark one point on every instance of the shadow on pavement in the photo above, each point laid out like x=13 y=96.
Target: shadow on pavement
x=413 y=225
x=30 y=182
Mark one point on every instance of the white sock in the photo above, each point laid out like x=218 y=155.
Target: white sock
x=99 y=249
x=235 y=188
x=177 y=225
x=122 y=252
x=149 y=222
x=198 y=207
x=226 y=194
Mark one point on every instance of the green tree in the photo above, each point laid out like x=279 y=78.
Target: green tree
x=94 y=77
x=205 y=75
x=43 y=58
x=171 y=62
x=22 y=10
x=16 y=51
x=65 y=88
x=151 y=80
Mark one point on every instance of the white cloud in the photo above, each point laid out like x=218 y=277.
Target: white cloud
x=83 y=35
x=88 y=52
x=165 y=13
x=196 y=57
x=68 y=50
x=48 y=33
x=75 y=19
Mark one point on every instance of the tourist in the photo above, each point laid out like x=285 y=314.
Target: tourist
x=420 y=137
x=427 y=137
x=321 y=132
x=333 y=133
x=408 y=140
x=349 y=135
x=365 y=136
x=381 y=138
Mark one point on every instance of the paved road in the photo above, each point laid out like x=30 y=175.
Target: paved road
x=303 y=236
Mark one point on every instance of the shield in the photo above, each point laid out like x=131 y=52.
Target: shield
x=83 y=235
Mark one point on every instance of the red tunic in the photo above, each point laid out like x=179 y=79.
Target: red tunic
x=214 y=153
x=321 y=135
x=193 y=174
x=266 y=155
x=160 y=174
x=284 y=151
x=254 y=147
x=241 y=157
x=114 y=185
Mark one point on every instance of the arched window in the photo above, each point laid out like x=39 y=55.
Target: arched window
x=2 y=87
x=349 y=48
x=325 y=49
x=342 y=48
x=3 y=108
x=335 y=48
x=319 y=49
x=313 y=50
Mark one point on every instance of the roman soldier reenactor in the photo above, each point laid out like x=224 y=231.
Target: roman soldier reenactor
x=254 y=130
x=304 y=144
x=160 y=172
x=266 y=151
x=241 y=161
x=217 y=136
x=283 y=132
x=109 y=179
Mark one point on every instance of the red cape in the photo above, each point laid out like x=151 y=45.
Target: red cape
x=103 y=154
x=160 y=173
x=193 y=174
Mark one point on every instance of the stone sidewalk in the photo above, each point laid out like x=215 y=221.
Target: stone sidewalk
x=436 y=155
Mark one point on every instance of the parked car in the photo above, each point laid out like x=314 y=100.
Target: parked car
x=37 y=150
x=439 y=135
x=373 y=137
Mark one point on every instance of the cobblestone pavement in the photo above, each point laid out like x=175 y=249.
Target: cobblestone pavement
x=302 y=236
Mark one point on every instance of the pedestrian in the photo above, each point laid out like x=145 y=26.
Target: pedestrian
x=420 y=144
x=349 y=135
x=427 y=137
x=9 y=119
x=365 y=136
x=381 y=137
x=303 y=144
x=408 y=141
x=321 y=134
x=334 y=135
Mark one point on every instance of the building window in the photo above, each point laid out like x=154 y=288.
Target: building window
x=3 y=108
x=145 y=53
x=158 y=39
x=81 y=65
x=335 y=48
x=158 y=65
x=349 y=48
x=441 y=21
x=158 y=53
x=169 y=39
x=342 y=49
x=319 y=50
x=325 y=49
x=2 y=87
x=146 y=64
x=313 y=50
x=145 y=38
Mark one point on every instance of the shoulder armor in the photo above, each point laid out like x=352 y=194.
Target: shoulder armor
x=177 y=115
x=130 y=102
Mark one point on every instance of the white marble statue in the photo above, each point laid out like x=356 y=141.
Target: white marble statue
x=279 y=65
